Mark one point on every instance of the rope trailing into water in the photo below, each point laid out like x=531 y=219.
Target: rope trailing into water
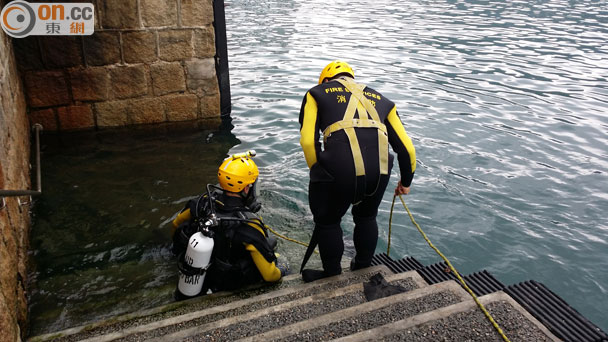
x=289 y=239
x=464 y=284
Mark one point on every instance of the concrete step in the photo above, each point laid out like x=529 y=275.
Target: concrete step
x=209 y=308
x=367 y=315
x=329 y=309
x=323 y=298
x=463 y=321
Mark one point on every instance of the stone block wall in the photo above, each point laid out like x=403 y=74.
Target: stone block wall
x=14 y=175
x=149 y=61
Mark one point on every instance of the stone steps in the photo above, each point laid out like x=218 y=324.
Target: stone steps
x=290 y=288
x=299 y=310
x=463 y=321
x=329 y=309
x=367 y=315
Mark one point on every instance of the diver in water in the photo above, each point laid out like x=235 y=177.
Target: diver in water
x=242 y=251
x=358 y=124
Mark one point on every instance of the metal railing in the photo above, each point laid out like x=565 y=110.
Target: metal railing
x=16 y=193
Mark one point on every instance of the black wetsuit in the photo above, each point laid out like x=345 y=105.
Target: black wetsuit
x=334 y=185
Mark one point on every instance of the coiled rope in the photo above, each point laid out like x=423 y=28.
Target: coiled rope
x=464 y=284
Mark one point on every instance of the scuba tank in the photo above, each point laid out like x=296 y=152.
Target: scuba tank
x=193 y=264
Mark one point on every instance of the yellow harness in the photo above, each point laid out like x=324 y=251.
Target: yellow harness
x=360 y=104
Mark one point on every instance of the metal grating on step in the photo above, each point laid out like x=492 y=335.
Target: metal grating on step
x=481 y=283
x=408 y=264
x=396 y=266
x=381 y=259
x=436 y=273
x=559 y=317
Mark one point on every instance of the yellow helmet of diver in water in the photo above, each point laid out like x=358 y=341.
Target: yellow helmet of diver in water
x=238 y=171
x=336 y=68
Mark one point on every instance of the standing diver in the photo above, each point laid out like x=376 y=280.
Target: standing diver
x=243 y=253
x=358 y=123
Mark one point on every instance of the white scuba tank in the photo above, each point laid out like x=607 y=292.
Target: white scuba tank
x=197 y=256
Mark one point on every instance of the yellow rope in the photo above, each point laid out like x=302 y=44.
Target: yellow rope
x=289 y=239
x=466 y=287
x=464 y=284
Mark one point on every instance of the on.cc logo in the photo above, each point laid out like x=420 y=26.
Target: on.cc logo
x=18 y=19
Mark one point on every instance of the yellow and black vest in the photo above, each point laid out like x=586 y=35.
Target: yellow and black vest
x=347 y=108
x=367 y=117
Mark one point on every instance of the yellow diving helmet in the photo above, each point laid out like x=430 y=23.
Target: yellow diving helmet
x=238 y=171
x=335 y=68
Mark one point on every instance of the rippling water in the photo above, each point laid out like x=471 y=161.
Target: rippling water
x=505 y=103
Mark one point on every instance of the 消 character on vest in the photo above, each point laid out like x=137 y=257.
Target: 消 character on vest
x=353 y=168
x=243 y=253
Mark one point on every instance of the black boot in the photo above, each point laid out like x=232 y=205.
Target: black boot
x=354 y=265
x=312 y=275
